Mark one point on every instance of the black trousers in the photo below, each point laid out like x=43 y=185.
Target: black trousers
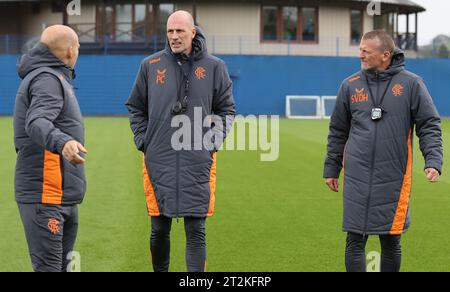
x=355 y=253
x=51 y=231
x=195 y=243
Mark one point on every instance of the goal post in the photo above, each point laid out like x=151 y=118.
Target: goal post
x=303 y=107
x=309 y=106
x=328 y=103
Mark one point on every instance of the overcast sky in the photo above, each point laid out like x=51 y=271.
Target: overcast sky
x=435 y=21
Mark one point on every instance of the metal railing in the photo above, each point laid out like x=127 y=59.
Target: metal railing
x=16 y=44
x=87 y=32
x=127 y=42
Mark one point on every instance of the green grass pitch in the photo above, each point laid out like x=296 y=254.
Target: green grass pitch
x=270 y=216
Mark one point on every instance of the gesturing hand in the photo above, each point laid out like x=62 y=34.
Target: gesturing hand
x=71 y=152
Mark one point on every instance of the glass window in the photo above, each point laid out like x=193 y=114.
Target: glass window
x=377 y=22
x=290 y=23
x=163 y=14
x=270 y=20
x=57 y=6
x=309 y=18
x=108 y=23
x=356 y=26
x=139 y=21
x=124 y=25
x=388 y=23
x=123 y=22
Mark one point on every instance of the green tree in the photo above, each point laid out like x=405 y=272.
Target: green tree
x=444 y=52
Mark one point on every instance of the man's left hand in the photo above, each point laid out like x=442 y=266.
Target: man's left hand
x=432 y=175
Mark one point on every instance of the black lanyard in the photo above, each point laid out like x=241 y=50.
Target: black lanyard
x=187 y=73
x=181 y=105
x=373 y=96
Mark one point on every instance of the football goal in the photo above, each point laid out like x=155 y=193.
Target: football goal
x=309 y=107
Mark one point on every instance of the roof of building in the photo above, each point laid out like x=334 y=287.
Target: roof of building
x=405 y=6
x=400 y=6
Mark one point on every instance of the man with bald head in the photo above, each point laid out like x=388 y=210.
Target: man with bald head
x=49 y=138
x=180 y=85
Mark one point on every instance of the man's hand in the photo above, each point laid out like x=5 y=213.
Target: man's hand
x=432 y=175
x=71 y=152
x=333 y=184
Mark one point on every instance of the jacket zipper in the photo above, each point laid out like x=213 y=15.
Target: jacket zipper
x=178 y=168
x=372 y=164
x=177 y=179
x=178 y=186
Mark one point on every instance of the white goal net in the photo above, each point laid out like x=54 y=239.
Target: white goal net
x=309 y=107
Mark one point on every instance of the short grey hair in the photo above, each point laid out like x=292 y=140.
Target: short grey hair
x=386 y=41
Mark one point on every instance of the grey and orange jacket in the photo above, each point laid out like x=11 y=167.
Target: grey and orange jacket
x=46 y=116
x=377 y=156
x=178 y=183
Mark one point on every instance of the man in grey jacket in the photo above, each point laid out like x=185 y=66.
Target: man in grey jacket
x=181 y=83
x=49 y=138
x=371 y=135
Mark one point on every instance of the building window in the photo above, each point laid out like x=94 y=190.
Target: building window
x=108 y=24
x=356 y=26
x=163 y=13
x=289 y=23
x=139 y=21
x=125 y=22
x=387 y=22
x=270 y=23
x=309 y=23
x=131 y=22
x=124 y=25
x=57 y=6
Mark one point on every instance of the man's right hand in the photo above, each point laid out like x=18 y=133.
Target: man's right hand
x=432 y=175
x=71 y=152
x=333 y=184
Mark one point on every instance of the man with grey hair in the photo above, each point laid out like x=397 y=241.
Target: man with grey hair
x=176 y=83
x=371 y=135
